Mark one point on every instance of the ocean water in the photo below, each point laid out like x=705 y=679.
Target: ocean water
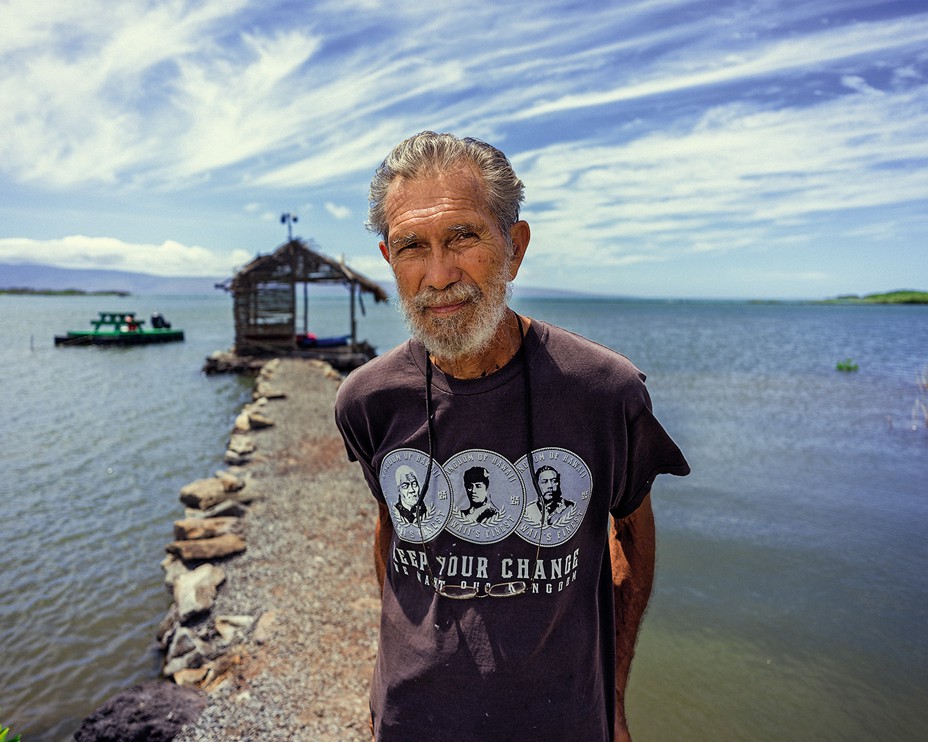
x=790 y=601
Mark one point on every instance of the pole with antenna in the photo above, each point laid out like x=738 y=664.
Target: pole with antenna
x=289 y=219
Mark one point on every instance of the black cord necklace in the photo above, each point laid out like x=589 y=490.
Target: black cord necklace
x=500 y=590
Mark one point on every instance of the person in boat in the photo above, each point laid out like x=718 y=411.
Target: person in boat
x=158 y=321
x=534 y=627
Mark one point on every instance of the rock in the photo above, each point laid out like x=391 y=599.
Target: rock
x=173 y=568
x=236 y=459
x=242 y=444
x=153 y=711
x=233 y=628
x=265 y=626
x=257 y=421
x=227 y=509
x=268 y=369
x=188 y=661
x=203 y=493
x=200 y=528
x=230 y=482
x=207 y=548
x=195 y=591
x=266 y=391
x=242 y=423
x=183 y=643
x=191 y=675
x=221 y=362
x=240 y=449
x=167 y=627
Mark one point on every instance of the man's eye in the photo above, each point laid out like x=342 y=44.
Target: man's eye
x=409 y=249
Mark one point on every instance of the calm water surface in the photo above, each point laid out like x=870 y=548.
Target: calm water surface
x=790 y=600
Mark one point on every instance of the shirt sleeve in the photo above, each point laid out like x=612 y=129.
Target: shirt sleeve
x=349 y=419
x=649 y=451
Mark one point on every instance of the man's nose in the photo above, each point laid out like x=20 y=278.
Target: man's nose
x=441 y=269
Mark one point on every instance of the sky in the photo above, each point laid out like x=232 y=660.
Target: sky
x=669 y=148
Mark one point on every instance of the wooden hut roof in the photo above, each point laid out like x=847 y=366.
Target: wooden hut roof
x=295 y=262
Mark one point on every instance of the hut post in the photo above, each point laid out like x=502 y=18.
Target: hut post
x=354 y=324
x=305 y=308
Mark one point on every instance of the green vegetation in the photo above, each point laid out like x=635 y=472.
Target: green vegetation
x=4 y=732
x=847 y=365
x=902 y=296
x=18 y=291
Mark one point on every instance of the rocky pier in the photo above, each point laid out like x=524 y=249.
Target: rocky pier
x=272 y=629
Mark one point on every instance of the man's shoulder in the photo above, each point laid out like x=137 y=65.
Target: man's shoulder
x=381 y=372
x=578 y=355
x=377 y=385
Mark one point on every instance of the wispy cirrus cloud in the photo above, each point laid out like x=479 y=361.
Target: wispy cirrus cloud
x=738 y=177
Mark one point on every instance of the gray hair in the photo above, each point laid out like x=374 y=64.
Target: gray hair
x=429 y=153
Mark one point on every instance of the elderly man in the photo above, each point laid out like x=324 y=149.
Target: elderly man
x=522 y=631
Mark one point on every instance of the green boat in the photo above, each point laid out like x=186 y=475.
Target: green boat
x=122 y=328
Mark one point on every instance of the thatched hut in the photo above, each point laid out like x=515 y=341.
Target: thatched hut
x=266 y=311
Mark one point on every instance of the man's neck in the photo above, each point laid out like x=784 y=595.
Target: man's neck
x=498 y=353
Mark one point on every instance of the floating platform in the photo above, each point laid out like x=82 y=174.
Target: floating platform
x=122 y=328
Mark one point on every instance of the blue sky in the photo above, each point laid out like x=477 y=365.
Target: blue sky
x=728 y=149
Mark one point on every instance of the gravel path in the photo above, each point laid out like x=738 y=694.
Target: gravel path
x=309 y=572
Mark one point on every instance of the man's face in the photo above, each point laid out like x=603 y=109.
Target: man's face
x=408 y=487
x=451 y=260
x=548 y=482
x=477 y=493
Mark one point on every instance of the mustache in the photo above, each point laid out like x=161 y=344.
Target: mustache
x=458 y=292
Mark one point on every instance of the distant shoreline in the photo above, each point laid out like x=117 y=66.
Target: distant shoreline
x=902 y=296
x=905 y=296
x=16 y=291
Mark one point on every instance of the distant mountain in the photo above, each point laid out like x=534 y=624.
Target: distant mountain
x=52 y=278
x=541 y=292
x=36 y=276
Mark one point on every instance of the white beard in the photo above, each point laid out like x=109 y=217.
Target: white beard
x=467 y=332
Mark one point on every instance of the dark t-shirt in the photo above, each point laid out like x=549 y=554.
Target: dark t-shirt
x=539 y=665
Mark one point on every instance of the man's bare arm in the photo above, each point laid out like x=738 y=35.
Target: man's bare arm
x=383 y=536
x=632 y=551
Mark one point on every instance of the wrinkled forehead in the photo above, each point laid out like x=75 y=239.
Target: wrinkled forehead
x=462 y=181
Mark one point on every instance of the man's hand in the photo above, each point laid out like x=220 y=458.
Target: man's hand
x=632 y=550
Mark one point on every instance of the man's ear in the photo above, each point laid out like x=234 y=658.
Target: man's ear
x=384 y=250
x=520 y=234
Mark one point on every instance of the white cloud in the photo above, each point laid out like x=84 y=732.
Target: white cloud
x=79 y=91
x=78 y=251
x=339 y=212
x=758 y=60
x=738 y=177
x=645 y=130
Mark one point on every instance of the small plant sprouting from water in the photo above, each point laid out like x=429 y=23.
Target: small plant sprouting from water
x=847 y=365
x=4 y=731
